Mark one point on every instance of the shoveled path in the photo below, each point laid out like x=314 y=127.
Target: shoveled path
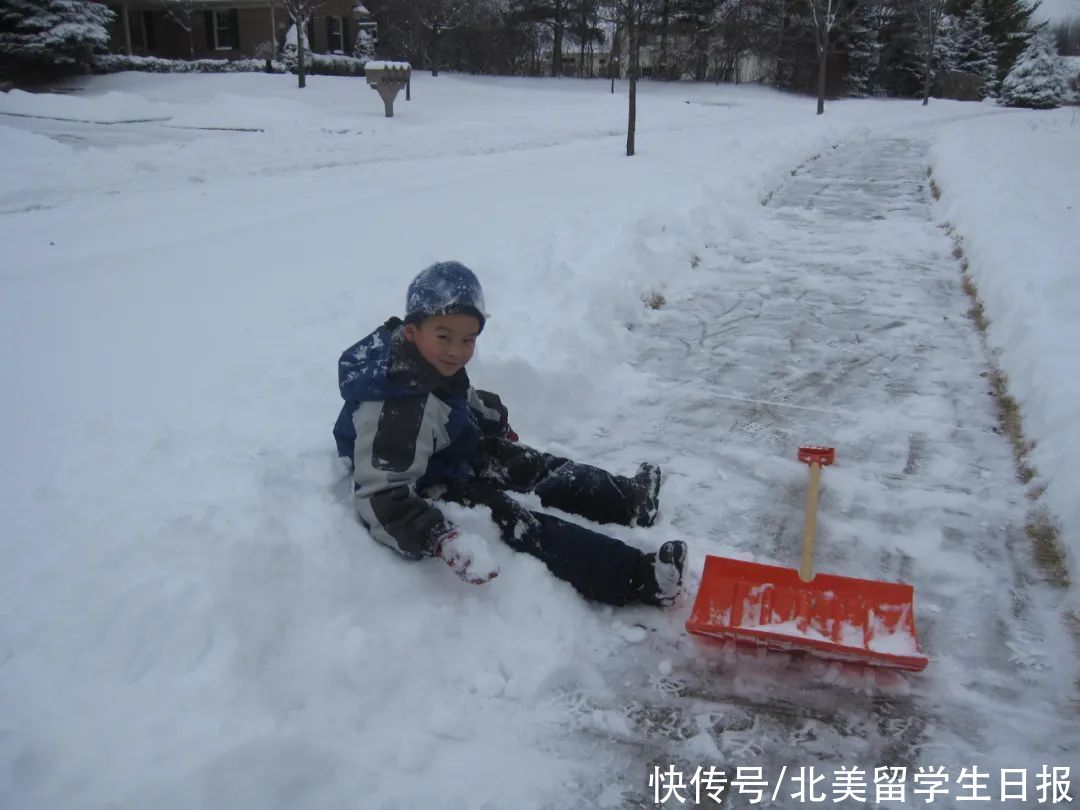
x=842 y=321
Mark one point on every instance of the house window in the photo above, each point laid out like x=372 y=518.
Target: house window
x=335 y=35
x=141 y=29
x=223 y=30
x=148 y=30
x=137 y=29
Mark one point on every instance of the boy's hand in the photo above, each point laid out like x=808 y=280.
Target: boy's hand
x=468 y=555
x=490 y=425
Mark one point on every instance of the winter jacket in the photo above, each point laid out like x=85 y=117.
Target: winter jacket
x=407 y=429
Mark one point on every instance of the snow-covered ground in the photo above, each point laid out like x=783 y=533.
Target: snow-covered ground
x=1015 y=202
x=190 y=615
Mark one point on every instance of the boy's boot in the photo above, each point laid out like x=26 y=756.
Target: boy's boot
x=658 y=579
x=645 y=486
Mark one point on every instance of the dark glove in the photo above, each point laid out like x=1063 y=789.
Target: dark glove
x=498 y=426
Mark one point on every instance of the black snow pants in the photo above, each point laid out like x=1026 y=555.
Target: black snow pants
x=601 y=568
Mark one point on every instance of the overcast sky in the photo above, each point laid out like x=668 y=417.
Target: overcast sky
x=1057 y=10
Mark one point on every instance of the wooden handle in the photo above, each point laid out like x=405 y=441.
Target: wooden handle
x=806 y=570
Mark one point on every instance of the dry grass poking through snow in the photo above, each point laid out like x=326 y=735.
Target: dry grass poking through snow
x=1041 y=526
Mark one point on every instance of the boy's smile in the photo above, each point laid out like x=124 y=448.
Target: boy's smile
x=447 y=342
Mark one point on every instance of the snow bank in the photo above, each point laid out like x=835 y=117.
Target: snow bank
x=1015 y=200
x=104 y=107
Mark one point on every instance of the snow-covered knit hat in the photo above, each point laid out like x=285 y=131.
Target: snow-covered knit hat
x=445 y=288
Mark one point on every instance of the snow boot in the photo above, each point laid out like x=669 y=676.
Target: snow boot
x=646 y=489
x=658 y=579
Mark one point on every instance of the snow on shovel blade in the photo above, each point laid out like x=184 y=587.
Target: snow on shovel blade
x=831 y=616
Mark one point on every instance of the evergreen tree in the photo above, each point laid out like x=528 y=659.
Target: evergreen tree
x=947 y=51
x=367 y=28
x=863 y=52
x=1037 y=79
x=49 y=33
x=554 y=14
x=901 y=59
x=1008 y=22
x=976 y=51
x=364 y=48
x=584 y=28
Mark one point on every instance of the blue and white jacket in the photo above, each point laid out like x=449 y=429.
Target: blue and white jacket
x=407 y=429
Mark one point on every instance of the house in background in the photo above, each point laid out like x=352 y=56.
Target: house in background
x=228 y=29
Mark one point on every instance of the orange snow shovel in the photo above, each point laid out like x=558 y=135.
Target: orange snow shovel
x=829 y=616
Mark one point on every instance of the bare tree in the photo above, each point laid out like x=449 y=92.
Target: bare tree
x=709 y=31
x=181 y=12
x=301 y=12
x=554 y=15
x=629 y=16
x=928 y=15
x=827 y=15
x=633 y=25
x=1068 y=36
x=584 y=27
x=440 y=16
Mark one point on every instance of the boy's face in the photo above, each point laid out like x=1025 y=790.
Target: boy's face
x=447 y=342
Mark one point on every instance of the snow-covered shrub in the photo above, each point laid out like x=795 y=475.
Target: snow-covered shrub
x=364 y=49
x=319 y=64
x=266 y=50
x=329 y=64
x=289 y=51
x=52 y=33
x=115 y=62
x=366 y=34
x=1038 y=78
x=1072 y=72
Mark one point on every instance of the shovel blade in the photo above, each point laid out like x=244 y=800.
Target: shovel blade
x=834 y=617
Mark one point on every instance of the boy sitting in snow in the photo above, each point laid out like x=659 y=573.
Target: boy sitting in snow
x=416 y=431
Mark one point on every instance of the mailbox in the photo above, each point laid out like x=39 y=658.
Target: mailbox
x=388 y=78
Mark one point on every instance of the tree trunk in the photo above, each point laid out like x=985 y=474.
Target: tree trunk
x=823 y=57
x=926 y=67
x=556 y=48
x=665 y=21
x=700 y=55
x=273 y=32
x=614 y=55
x=632 y=30
x=127 y=28
x=436 y=49
x=301 y=32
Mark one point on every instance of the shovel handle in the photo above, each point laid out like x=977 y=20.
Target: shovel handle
x=806 y=570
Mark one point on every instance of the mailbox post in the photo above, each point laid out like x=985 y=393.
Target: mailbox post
x=388 y=78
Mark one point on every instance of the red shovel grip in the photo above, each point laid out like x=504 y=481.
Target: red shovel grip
x=813 y=454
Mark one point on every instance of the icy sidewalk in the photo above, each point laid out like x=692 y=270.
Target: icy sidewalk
x=842 y=321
